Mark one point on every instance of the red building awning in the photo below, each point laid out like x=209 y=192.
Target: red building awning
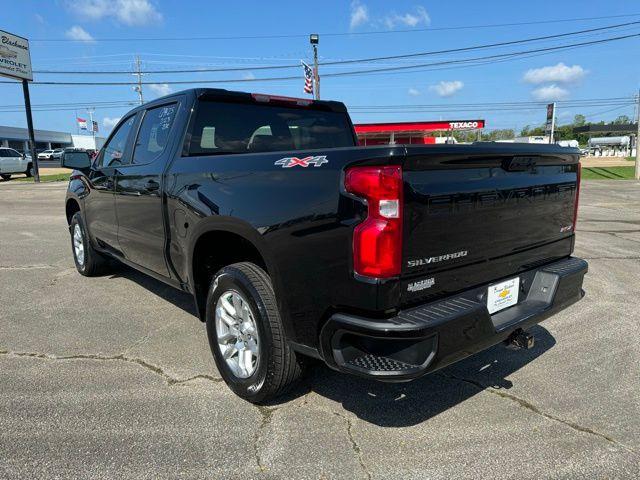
x=415 y=128
x=410 y=132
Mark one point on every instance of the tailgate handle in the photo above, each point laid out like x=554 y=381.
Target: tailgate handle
x=519 y=164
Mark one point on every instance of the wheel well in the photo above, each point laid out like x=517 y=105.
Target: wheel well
x=214 y=250
x=71 y=208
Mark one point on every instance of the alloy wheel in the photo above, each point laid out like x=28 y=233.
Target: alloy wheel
x=78 y=244
x=237 y=333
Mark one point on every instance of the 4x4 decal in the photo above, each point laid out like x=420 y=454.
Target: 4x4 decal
x=289 y=162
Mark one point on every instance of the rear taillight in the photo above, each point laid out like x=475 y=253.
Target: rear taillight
x=575 y=206
x=377 y=241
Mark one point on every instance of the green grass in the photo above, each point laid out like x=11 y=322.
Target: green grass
x=58 y=177
x=608 y=173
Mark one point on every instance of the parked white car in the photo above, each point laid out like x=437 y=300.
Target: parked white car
x=12 y=162
x=45 y=155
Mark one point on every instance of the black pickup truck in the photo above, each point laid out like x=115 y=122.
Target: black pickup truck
x=387 y=262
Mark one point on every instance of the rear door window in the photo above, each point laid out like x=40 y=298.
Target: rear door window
x=221 y=128
x=153 y=135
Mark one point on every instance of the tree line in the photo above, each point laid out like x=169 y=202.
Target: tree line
x=562 y=132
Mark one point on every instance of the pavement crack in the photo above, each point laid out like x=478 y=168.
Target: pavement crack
x=354 y=444
x=267 y=414
x=109 y=358
x=26 y=267
x=531 y=407
x=145 y=338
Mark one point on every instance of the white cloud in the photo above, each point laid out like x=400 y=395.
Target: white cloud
x=414 y=92
x=40 y=19
x=78 y=33
x=447 y=89
x=420 y=16
x=127 y=12
x=359 y=14
x=550 y=93
x=110 y=122
x=161 y=89
x=559 y=73
x=248 y=76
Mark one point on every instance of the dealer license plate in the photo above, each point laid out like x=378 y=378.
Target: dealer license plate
x=503 y=295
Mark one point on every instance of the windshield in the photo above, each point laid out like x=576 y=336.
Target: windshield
x=247 y=128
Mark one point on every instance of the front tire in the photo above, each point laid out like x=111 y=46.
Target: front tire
x=88 y=261
x=5 y=176
x=29 y=173
x=246 y=334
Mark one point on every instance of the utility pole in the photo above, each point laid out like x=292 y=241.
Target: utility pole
x=139 y=74
x=314 y=38
x=638 y=138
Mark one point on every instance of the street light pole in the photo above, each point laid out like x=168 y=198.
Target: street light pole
x=314 y=38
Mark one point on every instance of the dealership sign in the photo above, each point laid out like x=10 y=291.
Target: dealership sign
x=15 y=57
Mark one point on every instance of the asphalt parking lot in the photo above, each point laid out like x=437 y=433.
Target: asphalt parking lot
x=112 y=377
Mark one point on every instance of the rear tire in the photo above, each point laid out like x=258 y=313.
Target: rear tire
x=5 y=176
x=247 y=287
x=88 y=261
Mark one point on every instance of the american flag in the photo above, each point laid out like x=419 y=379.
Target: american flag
x=308 y=78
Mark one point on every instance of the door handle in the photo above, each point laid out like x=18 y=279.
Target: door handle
x=152 y=186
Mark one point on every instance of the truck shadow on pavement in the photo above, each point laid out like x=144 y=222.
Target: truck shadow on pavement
x=406 y=404
x=180 y=299
x=389 y=404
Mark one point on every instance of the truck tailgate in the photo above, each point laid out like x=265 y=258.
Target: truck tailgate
x=474 y=214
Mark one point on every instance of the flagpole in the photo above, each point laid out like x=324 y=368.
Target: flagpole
x=93 y=132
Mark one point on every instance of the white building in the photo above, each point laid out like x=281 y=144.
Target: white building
x=532 y=139
x=17 y=138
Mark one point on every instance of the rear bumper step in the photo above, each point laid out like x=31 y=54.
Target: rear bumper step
x=422 y=339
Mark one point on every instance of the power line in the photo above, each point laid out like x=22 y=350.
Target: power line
x=333 y=34
x=488 y=57
x=498 y=57
x=407 y=108
x=351 y=61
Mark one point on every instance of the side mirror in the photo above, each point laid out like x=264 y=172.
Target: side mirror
x=76 y=160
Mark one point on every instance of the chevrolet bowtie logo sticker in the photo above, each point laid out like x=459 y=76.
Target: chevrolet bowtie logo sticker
x=289 y=162
x=504 y=293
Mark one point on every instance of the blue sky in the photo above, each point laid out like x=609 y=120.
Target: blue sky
x=602 y=71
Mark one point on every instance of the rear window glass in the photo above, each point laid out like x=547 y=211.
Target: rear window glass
x=221 y=128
